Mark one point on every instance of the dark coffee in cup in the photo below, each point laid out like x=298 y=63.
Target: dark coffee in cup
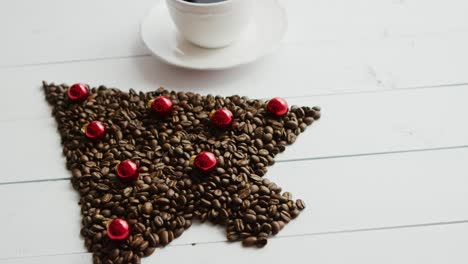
x=203 y=1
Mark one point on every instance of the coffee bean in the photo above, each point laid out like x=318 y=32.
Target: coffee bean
x=308 y=120
x=84 y=158
x=264 y=190
x=262 y=218
x=316 y=114
x=249 y=241
x=76 y=173
x=106 y=213
x=275 y=227
x=250 y=218
x=158 y=221
x=266 y=228
x=291 y=138
x=238 y=225
x=291 y=124
x=244 y=193
x=153 y=240
x=102 y=187
x=287 y=195
x=170 y=235
x=232 y=236
x=147 y=208
x=258 y=143
x=149 y=251
x=170 y=193
x=164 y=238
x=261 y=242
x=136 y=242
x=237 y=200
x=205 y=202
x=127 y=191
x=300 y=204
x=254 y=189
x=295 y=213
x=162 y=200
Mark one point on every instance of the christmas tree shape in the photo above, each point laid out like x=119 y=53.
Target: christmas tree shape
x=145 y=168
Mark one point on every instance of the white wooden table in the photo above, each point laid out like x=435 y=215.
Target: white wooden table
x=384 y=173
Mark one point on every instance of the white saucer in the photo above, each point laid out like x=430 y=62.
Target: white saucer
x=261 y=37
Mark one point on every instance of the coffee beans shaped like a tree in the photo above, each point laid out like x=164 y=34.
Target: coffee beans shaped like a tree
x=127 y=215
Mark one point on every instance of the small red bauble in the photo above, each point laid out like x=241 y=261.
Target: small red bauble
x=161 y=105
x=127 y=170
x=78 y=92
x=95 y=130
x=221 y=118
x=205 y=161
x=277 y=106
x=118 y=229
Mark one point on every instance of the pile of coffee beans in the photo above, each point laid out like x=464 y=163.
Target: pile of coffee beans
x=169 y=193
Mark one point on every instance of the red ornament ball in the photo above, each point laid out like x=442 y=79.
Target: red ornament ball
x=118 y=229
x=95 y=130
x=221 y=118
x=205 y=161
x=161 y=105
x=127 y=169
x=277 y=106
x=78 y=92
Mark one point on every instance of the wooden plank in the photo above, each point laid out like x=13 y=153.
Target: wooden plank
x=53 y=31
x=432 y=60
x=366 y=20
x=352 y=124
x=341 y=194
x=431 y=245
x=426 y=245
x=293 y=71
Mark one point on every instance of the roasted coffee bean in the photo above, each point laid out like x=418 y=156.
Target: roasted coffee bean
x=158 y=221
x=250 y=218
x=239 y=225
x=275 y=227
x=237 y=200
x=244 y=193
x=266 y=228
x=232 y=236
x=169 y=193
x=264 y=190
x=300 y=204
x=249 y=241
x=285 y=216
x=147 y=208
x=308 y=120
x=127 y=191
x=102 y=187
x=153 y=240
x=295 y=213
x=263 y=152
x=261 y=242
x=137 y=241
x=164 y=238
x=162 y=200
x=76 y=173
x=84 y=158
x=149 y=251
x=291 y=124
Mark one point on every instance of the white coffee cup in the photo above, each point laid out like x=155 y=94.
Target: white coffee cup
x=212 y=25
